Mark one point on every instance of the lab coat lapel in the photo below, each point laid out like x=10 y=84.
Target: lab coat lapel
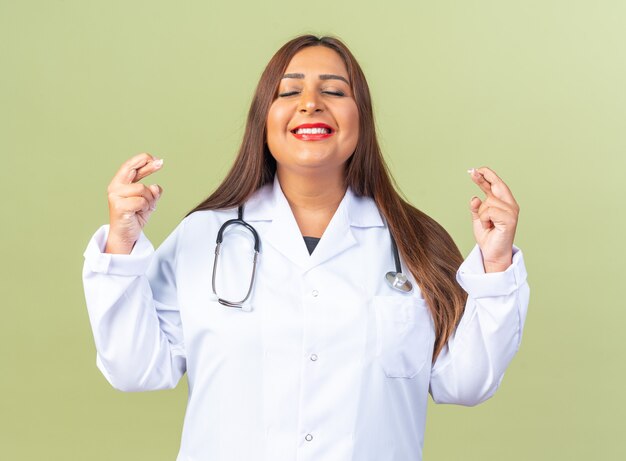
x=337 y=237
x=284 y=234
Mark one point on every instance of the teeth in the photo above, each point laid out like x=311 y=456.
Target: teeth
x=312 y=131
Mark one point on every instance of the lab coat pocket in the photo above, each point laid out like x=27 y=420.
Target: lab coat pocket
x=404 y=335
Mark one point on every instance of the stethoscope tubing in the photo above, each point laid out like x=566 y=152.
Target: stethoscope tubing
x=220 y=237
x=396 y=280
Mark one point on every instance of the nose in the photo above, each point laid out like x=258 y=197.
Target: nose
x=310 y=102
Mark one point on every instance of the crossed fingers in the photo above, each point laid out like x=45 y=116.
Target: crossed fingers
x=126 y=194
x=491 y=184
x=499 y=206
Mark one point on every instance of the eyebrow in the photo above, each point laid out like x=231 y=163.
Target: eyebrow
x=321 y=76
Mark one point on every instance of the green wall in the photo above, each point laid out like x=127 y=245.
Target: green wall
x=533 y=89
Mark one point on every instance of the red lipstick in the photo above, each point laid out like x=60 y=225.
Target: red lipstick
x=313 y=131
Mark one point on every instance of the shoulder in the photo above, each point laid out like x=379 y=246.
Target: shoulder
x=260 y=203
x=207 y=217
x=363 y=211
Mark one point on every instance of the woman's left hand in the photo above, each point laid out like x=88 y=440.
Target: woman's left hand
x=494 y=219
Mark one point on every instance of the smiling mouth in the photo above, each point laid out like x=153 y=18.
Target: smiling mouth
x=312 y=134
x=315 y=130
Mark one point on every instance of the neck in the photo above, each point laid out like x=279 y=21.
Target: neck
x=313 y=199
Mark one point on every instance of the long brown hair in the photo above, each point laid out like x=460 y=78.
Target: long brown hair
x=427 y=249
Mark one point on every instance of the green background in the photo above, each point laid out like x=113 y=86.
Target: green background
x=534 y=89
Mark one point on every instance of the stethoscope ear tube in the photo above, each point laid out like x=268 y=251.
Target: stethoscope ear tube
x=220 y=233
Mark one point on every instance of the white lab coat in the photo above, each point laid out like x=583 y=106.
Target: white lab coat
x=326 y=361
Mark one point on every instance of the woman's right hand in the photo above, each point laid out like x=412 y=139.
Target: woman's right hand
x=130 y=202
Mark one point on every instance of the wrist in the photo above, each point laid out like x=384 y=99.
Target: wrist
x=497 y=261
x=498 y=265
x=118 y=246
x=495 y=266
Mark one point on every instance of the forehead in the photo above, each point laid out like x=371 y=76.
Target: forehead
x=315 y=60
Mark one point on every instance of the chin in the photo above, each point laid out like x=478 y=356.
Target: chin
x=312 y=166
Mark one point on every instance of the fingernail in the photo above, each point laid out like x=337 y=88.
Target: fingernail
x=471 y=170
x=158 y=163
x=156 y=188
x=132 y=173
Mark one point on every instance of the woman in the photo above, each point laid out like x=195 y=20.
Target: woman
x=324 y=359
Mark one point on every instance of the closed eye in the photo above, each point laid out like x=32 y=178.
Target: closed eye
x=291 y=93
x=334 y=93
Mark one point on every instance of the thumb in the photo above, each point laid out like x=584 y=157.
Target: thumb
x=477 y=223
x=156 y=191
x=475 y=203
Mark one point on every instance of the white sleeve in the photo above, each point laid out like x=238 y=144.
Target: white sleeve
x=471 y=365
x=132 y=305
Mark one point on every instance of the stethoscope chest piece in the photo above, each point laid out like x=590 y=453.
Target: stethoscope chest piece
x=399 y=281
x=396 y=279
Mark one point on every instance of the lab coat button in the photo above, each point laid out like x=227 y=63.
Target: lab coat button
x=308 y=437
x=315 y=293
x=313 y=357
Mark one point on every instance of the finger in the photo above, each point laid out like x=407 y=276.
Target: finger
x=149 y=168
x=493 y=201
x=481 y=181
x=128 y=171
x=485 y=219
x=156 y=192
x=498 y=186
x=132 y=205
x=475 y=208
x=494 y=216
x=150 y=193
x=132 y=190
x=475 y=204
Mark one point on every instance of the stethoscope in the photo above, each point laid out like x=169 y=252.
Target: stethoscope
x=396 y=279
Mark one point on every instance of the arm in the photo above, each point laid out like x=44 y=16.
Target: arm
x=471 y=365
x=131 y=291
x=131 y=300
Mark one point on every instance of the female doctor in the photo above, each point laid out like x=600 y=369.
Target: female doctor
x=325 y=344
